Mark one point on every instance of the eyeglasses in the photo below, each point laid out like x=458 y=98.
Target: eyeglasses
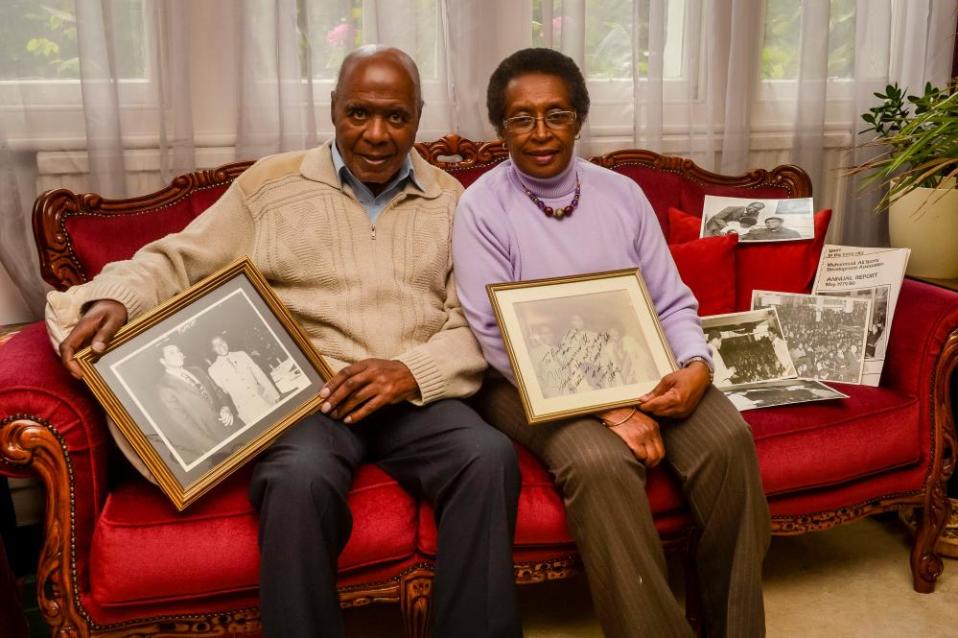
x=555 y=120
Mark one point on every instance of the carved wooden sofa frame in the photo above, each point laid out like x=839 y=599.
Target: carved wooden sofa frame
x=32 y=445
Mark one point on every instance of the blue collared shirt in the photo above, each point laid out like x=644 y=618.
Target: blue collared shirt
x=374 y=204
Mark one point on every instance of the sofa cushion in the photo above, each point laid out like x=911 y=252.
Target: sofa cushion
x=781 y=266
x=145 y=552
x=541 y=521
x=128 y=233
x=707 y=266
x=828 y=443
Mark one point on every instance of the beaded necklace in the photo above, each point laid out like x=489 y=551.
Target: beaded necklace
x=562 y=211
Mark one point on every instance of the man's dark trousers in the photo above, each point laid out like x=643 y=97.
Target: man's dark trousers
x=442 y=453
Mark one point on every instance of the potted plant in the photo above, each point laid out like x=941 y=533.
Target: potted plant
x=918 y=135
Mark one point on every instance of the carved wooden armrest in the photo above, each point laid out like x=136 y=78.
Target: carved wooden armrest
x=51 y=428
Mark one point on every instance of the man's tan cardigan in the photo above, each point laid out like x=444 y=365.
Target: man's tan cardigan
x=359 y=290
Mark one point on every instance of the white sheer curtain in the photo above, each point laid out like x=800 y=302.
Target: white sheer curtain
x=176 y=81
x=95 y=119
x=478 y=34
x=290 y=52
x=277 y=111
x=689 y=75
x=21 y=289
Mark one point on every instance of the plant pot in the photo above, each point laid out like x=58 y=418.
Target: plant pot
x=929 y=230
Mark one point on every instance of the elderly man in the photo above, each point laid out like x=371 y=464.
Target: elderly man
x=198 y=414
x=773 y=231
x=354 y=238
x=250 y=389
x=745 y=216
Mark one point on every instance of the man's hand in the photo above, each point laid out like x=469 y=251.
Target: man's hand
x=367 y=385
x=640 y=432
x=678 y=393
x=96 y=327
x=226 y=417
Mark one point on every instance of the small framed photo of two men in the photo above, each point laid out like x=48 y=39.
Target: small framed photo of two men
x=203 y=382
x=581 y=344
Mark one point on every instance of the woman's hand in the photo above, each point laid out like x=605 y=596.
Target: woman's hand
x=678 y=393
x=639 y=431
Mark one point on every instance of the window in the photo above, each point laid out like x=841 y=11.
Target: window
x=780 y=59
x=333 y=28
x=608 y=36
x=38 y=39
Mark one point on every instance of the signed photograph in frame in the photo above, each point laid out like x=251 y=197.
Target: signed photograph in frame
x=208 y=379
x=581 y=344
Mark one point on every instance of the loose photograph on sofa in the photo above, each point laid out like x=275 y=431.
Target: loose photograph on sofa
x=747 y=347
x=826 y=335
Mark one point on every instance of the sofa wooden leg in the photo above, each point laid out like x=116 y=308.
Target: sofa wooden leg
x=415 y=598
x=926 y=566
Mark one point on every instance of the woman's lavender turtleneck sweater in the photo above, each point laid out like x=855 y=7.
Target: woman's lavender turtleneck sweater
x=500 y=235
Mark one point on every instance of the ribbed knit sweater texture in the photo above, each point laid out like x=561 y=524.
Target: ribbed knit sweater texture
x=359 y=290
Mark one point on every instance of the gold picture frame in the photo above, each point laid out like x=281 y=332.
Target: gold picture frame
x=205 y=381
x=582 y=344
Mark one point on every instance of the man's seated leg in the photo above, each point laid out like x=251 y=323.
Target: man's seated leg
x=299 y=488
x=447 y=455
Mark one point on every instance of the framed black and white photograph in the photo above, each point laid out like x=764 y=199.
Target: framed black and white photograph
x=747 y=347
x=205 y=381
x=758 y=220
x=827 y=336
x=786 y=392
x=581 y=344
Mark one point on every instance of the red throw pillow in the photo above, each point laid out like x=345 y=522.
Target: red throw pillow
x=682 y=226
x=707 y=266
x=781 y=266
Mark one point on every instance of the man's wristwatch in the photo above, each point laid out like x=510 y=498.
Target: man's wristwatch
x=708 y=364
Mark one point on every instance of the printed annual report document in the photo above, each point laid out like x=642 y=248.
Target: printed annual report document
x=869 y=273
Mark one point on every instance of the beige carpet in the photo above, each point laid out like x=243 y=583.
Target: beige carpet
x=848 y=582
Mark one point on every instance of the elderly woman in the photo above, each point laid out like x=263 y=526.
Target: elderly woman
x=546 y=213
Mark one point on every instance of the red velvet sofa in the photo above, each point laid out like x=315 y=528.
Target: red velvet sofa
x=118 y=560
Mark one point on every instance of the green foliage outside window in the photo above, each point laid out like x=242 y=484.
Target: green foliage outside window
x=780 y=53
x=608 y=36
x=38 y=39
